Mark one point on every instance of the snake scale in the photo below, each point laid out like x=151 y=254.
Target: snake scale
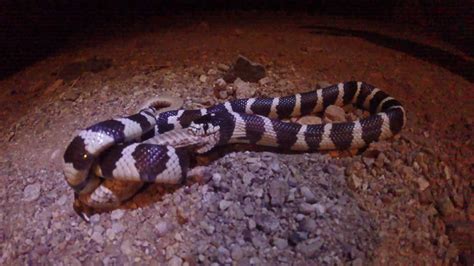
x=156 y=147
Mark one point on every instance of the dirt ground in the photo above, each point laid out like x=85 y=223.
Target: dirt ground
x=424 y=217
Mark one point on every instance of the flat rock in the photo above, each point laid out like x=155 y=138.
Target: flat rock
x=32 y=192
x=246 y=70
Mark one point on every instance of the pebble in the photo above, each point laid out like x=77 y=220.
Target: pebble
x=335 y=114
x=280 y=243
x=268 y=223
x=423 y=184
x=236 y=252
x=354 y=182
x=163 y=228
x=175 y=261
x=32 y=192
x=127 y=247
x=308 y=195
x=310 y=247
x=202 y=78
x=97 y=237
x=243 y=89
x=117 y=214
x=278 y=192
x=224 y=204
x=308 y=225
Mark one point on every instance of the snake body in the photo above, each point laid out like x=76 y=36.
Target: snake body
x=151 y=147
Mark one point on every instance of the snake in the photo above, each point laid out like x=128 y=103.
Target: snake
x=156 y=147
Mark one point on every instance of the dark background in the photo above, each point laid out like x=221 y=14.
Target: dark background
x=31 y=30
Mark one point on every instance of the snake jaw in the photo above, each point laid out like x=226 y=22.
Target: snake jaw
x=83 y=211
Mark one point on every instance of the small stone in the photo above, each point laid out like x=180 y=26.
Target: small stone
x=278 y=192
x=117 y=214
x=32 y=192
x=354 y=182
x=127 y=247
x=308 y=195
x=310 y=120
x=162 y=228
x=224 y=204
x=320 y=209
x=252 y=224
x=248 y=177
x=445 y=206
x=268 y=223
x=223 y=67
x=335 y=114
x=310 y=247
x=203 y=78
x=306 y=208
x=243 y=89
x=236 y=253
x=97 y=237
x=117 y=228
x=280 y=243
x=175 y=261
x=308 y=225
x=423 y=184
x=220 y=83
x=216 y=178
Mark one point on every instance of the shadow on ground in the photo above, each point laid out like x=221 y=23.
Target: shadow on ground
x=454 y=63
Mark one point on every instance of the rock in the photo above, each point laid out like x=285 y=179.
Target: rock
x=278 y=192
x=425 y=196
x=236 y=252
x=296 y=237
x=320 y=209
x=308 y=225
x=202 y=78
x=247 y=178
x=32 y=192
x=127 y=247
x=280 y=243
x=335 y=114
x=175 y=261
x=354 y=182
x=445 y=206
x=97 y=237
x=243 y=89
x=220 y=84
x=423 y=184
x=310 y=247
x=308 y=195
x=310 y=120
x=268 y=223
x=224 y=204
x=306 y=208
x=248 y=70
x=117 y=214
x=163 y=228
x=223 y=67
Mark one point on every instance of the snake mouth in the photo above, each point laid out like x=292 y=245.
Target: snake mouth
x=81 y=209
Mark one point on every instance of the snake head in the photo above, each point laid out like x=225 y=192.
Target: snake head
x=205 y=125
